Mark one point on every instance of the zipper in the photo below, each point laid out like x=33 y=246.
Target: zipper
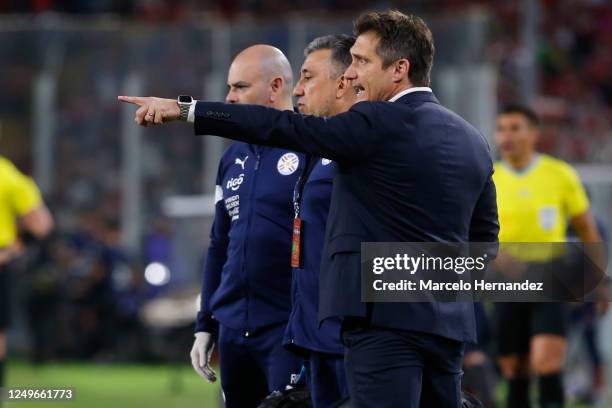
x=248 y=230
x=257 y=157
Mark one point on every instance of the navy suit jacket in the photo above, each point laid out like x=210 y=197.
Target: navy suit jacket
x=407 y=171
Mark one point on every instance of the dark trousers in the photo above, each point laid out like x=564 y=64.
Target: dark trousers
x=402 y=369
x=327 y=379
x=5 y=299
x=254 y=365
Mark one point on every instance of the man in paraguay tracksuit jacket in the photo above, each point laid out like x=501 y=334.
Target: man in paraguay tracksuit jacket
x=247 y=275
x=323 y=91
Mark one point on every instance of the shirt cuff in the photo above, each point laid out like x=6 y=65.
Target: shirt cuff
x=191 y=114
x=206 y=323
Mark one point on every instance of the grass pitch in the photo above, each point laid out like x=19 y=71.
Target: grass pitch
x=115 y=386
x=119 y=386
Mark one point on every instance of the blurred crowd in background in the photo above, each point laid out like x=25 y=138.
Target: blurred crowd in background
x=575 y=74
x=83 y=281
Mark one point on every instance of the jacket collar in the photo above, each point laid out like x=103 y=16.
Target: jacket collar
x=418 y=96
x=409 y=90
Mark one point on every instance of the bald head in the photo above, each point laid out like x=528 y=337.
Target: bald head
x=268 y=61
x=260 y=74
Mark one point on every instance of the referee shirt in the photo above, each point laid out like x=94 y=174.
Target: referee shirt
x=536 y=203
x=18 y=196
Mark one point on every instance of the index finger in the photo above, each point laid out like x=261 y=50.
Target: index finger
x=136 y=100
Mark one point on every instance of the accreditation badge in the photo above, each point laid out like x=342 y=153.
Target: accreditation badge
x=548 y=218
x=296 y=246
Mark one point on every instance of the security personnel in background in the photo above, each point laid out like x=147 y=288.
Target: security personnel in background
x=246 y=287
x=536 y=195
x=21 y=207
x=322 y=91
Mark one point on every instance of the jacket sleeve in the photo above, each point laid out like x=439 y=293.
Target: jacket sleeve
x=348 y=137
x=484 y=225
x=215 y=259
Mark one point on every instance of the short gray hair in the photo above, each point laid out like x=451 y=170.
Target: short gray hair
x=340 y=47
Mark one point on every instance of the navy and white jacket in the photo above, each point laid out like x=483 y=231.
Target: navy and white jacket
x=247 y=272
x=303 y=333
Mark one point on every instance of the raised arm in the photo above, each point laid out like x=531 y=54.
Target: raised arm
x=348 y=137
x=345 y=137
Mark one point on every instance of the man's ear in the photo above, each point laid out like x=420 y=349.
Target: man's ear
x=276 y=87
x=342 y=86
x=400 y=68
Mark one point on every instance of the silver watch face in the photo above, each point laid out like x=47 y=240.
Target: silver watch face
x=185 y=99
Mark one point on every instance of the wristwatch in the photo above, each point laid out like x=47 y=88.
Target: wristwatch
x=184 y=103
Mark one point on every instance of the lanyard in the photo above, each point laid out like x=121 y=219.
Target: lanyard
x=299 y=186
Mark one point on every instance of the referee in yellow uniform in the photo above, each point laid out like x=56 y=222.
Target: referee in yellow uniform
x=21 y=208
x=537 y=196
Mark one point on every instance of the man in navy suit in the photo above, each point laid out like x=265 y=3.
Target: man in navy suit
x=324 y=91
x=408 y=170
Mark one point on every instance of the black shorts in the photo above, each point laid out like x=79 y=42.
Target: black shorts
x=517 y=323
x=5 y=302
